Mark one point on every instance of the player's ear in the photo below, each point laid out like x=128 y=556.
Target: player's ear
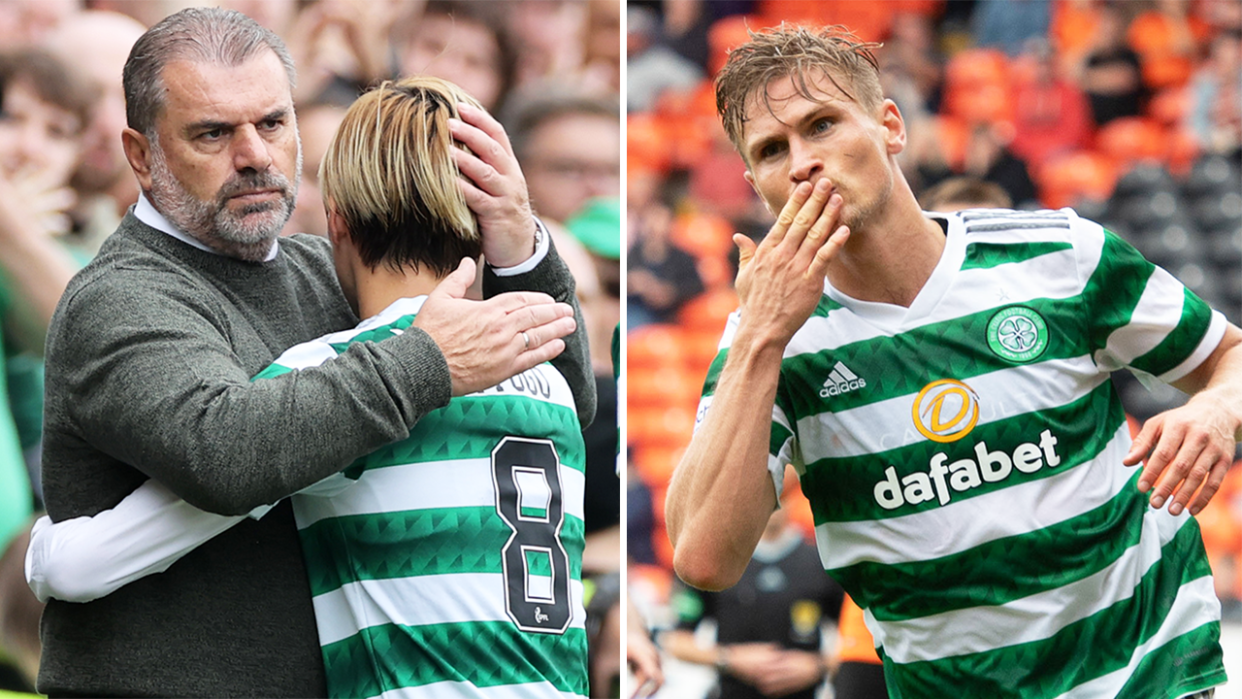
x=750 y=179
x=894 y=127
x=338 y=232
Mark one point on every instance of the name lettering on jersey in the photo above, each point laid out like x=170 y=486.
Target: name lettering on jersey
x=841 y=380
x=940 y=481
x=531 y=382
x=1018 y=334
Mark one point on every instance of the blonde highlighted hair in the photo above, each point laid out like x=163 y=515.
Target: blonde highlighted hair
x=389 y=173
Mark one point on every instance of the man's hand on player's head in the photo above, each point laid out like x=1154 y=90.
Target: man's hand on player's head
x=486 y=342
x=494 y=186
x=780 y=280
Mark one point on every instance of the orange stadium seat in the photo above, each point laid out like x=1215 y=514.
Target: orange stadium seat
x=1065 y=179
x=663 y=386
x=1132 y=140
x=669 y=426
x=703 y=234
x=725 y=34
x=709 y=310
x=645 y=142
x=656 y=463
x=652 y=346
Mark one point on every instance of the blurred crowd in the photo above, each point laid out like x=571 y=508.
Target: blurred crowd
x=1129 y=111
x=548 y=69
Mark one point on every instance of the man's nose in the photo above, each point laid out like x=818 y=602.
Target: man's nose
x=250 y=150
x=804 y=161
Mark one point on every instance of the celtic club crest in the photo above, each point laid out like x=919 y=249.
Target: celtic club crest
x=1017 y=333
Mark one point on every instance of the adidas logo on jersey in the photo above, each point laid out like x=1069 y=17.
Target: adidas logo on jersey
x=841 y=380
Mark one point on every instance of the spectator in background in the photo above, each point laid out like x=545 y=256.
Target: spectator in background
x=317 y=124
x=957 y=193
x=1051 y=115
x=569 y=144
x=95 y=44
x=466 y=43
x=1111 y=74
x=768 y=626
x=1215 y=115
x=1008 y=24
x=660 y=277
x=652 y=67
x=43 y=110
x=988 y=158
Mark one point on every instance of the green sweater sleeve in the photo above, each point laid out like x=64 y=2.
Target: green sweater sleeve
x=147 y=371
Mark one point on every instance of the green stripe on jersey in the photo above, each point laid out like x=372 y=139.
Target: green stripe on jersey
x=987 y=255
x=843 y=489
x=486 y=654
x=1081 y=651
x=1002 y=570
x=417 y=542
x=1196 y=316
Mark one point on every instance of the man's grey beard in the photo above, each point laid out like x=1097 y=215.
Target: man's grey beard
x=212 y=222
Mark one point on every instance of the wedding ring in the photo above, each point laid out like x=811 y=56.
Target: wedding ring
x=525 y=340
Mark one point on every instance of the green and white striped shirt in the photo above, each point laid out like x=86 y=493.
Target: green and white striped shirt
x=963 y=461
x=450 y=564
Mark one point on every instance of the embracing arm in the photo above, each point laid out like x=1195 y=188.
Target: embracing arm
x=155 y=383
x=1190 y=448
x=85 y=558
x=721 y=495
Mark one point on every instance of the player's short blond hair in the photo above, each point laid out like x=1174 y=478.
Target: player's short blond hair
x=800 y=53
x=389 y=173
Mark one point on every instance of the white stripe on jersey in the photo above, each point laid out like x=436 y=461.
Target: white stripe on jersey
x=448 y=598
x=954 y=528
x=1032 y=618
x=884 y=425
x=1192 y=609
x=457 y=483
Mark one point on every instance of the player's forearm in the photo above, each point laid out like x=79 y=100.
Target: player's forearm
x=682 y=645
x=1219 y=379
x=721 y=495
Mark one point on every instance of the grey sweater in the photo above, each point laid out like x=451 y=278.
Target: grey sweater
x=149 y=360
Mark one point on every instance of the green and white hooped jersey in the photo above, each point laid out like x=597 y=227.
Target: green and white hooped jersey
x=963 y=461
x=450 y=564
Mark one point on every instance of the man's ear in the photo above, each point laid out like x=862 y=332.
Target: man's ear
x=895 y=126
x=138 y=153
x=750 y=180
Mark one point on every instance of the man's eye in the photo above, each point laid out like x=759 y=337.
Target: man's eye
x=770 y=150
x=271 y=124
x=211 y=135
x=821 y=126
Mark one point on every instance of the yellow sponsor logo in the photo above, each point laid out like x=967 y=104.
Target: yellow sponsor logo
x=945 y=410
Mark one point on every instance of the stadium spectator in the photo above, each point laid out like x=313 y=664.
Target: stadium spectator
x=1215 y=114
x=569 y=144
x=95 y=44
x=957 y=193
x=1051 y=115
x=317 y=123
x=768 y=626
x=151 y=354
x=851 y=246
x=660 y=276
x=380 y=180
x=1009 y=25
x=651 y=67
x=1111 y=74
x=467 y=43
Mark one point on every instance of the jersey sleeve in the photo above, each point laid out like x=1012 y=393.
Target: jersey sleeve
x=1139 y=315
